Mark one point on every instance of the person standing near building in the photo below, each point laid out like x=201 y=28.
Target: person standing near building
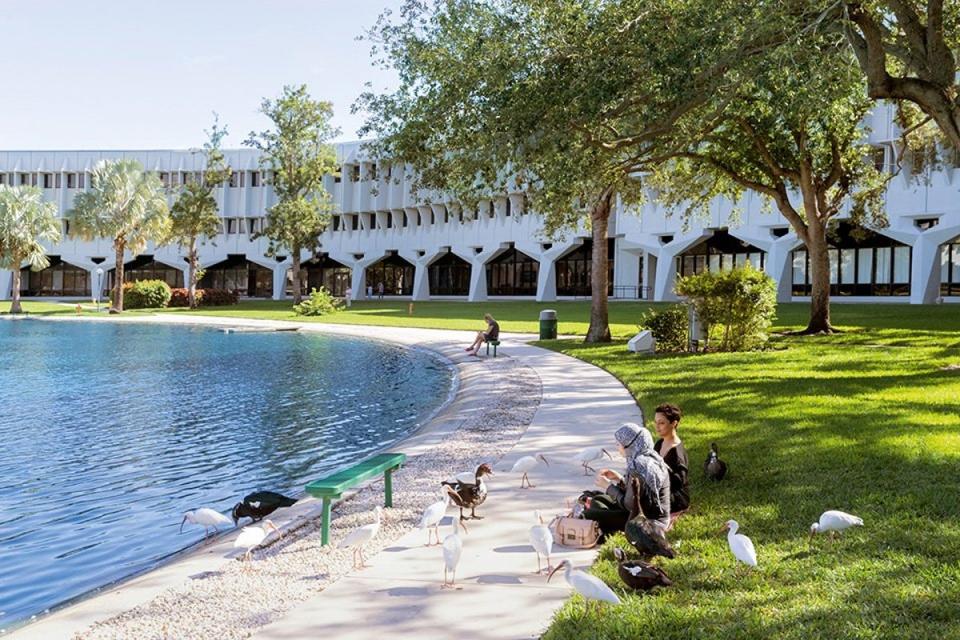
x=380 y=290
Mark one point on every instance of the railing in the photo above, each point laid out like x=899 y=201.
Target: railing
x=624 y=292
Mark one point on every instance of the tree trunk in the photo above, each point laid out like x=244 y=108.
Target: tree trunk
x=15 y=294
x=819 y=280
x=192 y=275
x=599 y=330
x=296 y=275
x=117 y=307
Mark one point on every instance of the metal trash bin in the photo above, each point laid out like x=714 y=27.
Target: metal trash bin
x=548 y=324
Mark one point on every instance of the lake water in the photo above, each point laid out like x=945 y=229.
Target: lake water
x=111 y=431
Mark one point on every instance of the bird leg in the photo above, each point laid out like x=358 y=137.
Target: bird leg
x=539 y=570
x=473 y=515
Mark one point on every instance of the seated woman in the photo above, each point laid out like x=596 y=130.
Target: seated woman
x=611 y=509
x=492 y=333
x=671 y=449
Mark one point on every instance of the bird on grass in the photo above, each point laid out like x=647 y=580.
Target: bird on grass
x=714 y=468
x=542 y=540
x=639 y=575
x=252 y=537
x=525 y=465
x=259 y=505
x=470 y=495
x=590 y=587
x=433 y=514
x=740 y=545
x=452 y=549
x=648 y=537
x=833 y=522
x=588 y=455
x=361 y=536
x=206 y=517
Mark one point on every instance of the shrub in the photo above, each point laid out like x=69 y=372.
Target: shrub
x=218 y=297
x=180 y=297
x=146 y=294
x=737 y=307
x=669 y=327
x=319 y=303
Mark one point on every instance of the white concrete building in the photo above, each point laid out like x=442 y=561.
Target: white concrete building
x=434 y=249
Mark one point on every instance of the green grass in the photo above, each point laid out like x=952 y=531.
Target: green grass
x=868 y=422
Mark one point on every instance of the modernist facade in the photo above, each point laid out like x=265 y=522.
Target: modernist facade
x=429 y=248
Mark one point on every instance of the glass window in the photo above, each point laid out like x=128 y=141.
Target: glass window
x=901 y=264
x=834 y=262
x=865 y=266
x=799 y=267
x=847 y=265
x=714 y=262
x=955 y=261
x=884 y=255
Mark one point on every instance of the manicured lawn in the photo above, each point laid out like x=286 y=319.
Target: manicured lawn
x=867 y=422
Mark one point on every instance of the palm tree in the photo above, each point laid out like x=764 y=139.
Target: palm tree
x=124 y=203
x=25 y=222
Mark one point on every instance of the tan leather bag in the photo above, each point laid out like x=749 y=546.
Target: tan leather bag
x=576 y=533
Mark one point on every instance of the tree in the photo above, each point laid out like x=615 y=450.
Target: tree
x=296 y=153
x=126 y=204
x=195 y=214
x=794 y=134
x=907 y=51
x=26 y=221
x=562 y=99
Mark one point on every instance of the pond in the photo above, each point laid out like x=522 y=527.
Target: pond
x=111 y=431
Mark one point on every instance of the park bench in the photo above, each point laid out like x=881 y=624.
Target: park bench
x=332 y=487
x=495 y=344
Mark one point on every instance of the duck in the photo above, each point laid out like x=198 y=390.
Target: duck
x=834 y=521
x=714 y=468
x=640 y=575
x=259 y=504
x=525 y=465
x=361 y=536
x=470 y=495
x=541 y=538
x=740 y=545
x=647 y=536
x=206 y=517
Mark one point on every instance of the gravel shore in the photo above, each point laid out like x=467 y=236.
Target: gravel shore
x=239 y=598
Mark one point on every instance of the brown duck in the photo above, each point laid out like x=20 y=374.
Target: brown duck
x=470 y=495
x=645 y=535
x=638 y=574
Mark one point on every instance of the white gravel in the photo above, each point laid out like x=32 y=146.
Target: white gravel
x=239 y=598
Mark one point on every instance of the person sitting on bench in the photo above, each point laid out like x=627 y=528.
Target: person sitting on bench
x=492 y=333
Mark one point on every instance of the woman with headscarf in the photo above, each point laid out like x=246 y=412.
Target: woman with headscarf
x=644 y=463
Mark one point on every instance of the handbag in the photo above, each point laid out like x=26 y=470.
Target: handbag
x=576 y=533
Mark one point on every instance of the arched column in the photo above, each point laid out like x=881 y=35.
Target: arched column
x=925 y=267
x=667 y=265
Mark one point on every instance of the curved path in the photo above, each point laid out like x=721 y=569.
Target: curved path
x=399 y=593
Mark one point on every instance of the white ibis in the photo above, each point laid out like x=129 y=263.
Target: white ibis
x=206 y=517
x=590 y=587
x=452 y=549
x=361 y=536
x=542 y=540
x=588 y=455
x=252 y=537
x=525 y=465
x=740 y=545
x=433 y=514
x=834 y=521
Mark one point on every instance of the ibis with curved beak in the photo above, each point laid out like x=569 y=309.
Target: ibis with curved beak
x=542 y=540
x=525 y=465
x=361 y=536
x=205 y=517
x=252 y=537
x=433 y=514
x=588 y=455
x=452 y=550
x=740 y=545
x=834 y=521
x=590 y=587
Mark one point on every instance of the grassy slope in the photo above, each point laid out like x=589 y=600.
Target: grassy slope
x=867 y=422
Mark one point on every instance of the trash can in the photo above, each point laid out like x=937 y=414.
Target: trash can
x=548 y=324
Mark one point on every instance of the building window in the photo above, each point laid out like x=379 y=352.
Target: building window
x=254 y=178
x=926 y=223
x=24 y=179
x=354 y=173
x=719 y=252
x=508 y=207
x=335 y=222
x=512 y=273
x=449 y=276
x=58 y=279
x=395 y=273
x=234 y=179
x=406 y=221
x=48 y=181
x=950 y=269
x=574 y=270
x=323 y=272
x=355 y=223
x=389 y=220
x=81 y=181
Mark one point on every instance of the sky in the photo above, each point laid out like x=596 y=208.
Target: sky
x=109 y=74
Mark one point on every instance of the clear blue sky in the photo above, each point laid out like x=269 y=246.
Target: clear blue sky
x=109 y=74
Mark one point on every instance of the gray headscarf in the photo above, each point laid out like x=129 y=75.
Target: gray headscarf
x=642 y=459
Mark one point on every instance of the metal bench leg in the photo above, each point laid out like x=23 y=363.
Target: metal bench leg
x=388 y=488
x=325 y=526
x=494 y=351
x=488 y=349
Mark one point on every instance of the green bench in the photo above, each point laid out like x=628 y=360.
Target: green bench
x=495 y=344
x=332 y=487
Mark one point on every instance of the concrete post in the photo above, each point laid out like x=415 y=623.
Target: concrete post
x=280 y=280
x=666 y=275
x=478 y=278
x=778 y=264
x=547 y=277
x=649 y=275
x=925 y=273
x=626 y=269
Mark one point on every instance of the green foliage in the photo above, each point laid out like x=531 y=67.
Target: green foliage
x=738 y=306
x=669 y=327
x=26 y=221
x=320 y=302
x=146 y=294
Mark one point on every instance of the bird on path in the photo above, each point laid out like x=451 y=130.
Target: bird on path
x=361 y=536
x=252 y=537
x=205 y=517
x=433 y=514
x=714 y=468
x=470 y=495
x=590 y=587
x=834 y=521
x=259 y=505
x=588 y=455
x=452 y=549
x=740 y=545
x=542 y=540
x=525 y=465
x=638 y=574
